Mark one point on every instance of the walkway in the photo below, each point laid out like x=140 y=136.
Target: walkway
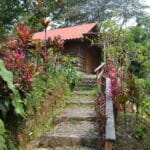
x=76 y=127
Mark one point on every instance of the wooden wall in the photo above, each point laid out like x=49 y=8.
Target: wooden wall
x=87 y=56
x=76 y=49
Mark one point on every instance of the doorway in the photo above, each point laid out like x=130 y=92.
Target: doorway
x=93 y=59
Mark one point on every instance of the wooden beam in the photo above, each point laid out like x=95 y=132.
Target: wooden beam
x=99 y=67
x=110 y=134
x=100 y=74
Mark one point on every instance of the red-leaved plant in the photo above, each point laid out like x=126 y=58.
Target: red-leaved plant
x=24 y=60
x=24 y=33
x=18 y=60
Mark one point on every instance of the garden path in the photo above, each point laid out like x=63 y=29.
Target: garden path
x=76 y=128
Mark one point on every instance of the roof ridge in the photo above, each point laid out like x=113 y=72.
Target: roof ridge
x=72 y=26
x=67 y=33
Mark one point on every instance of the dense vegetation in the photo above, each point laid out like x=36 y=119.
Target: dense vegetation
x=127 y=55
x=68 y=12
x=31 y=71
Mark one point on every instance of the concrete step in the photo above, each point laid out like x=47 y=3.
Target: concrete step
x=34 y=146
x=82 y=96
x=83 y=93
x=76 y=113
x=87 y=81
x=73 y=148
x=86 y=84
x=84 y=100
x=81 y=102
x=84 y=87
x=81 y=88
x=65 y=148
x=78 y=133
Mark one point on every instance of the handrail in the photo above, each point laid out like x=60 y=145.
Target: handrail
x=110 y=133
x=98 y=75
x=99 y=67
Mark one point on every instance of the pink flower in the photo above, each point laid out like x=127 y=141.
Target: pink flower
x=112 y=75
x=114 y=82
x=30 y=79
x=17 y=55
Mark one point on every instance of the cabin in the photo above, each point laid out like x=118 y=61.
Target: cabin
x=77 y=45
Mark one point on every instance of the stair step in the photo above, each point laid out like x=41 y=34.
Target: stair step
x=83 y=96
x=88 y=80
x=76 y=114
x=35 y=146
x=86 y=84
x=84 y=100
x=73 y=148
x=83 y=93
x=81 y=102
x=82 y=88
x=81 y=133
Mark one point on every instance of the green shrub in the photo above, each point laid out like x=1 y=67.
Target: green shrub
x=2 y=136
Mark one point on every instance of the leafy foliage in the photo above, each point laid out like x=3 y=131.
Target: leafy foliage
x=81 y=11
x=2 y=135
x=69 y=71
x=7 y=76
x=126 y=53
x=7 y=19
x=30 y=71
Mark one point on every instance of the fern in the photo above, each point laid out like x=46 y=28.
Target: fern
x=2 y=136
x=7 y=76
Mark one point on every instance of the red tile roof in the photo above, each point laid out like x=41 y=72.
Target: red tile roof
x=68 y=33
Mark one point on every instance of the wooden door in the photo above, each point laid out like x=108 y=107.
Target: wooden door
x=92 y=59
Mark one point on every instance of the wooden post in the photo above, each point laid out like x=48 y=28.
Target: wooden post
x=108 y=145
x=97 y=78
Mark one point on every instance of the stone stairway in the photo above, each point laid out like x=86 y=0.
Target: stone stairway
x=75 y=128
x=87 y=81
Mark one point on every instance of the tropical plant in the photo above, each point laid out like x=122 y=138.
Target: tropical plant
x=126 y=55
x=69 y=71
x=2 y=136
x=7 y=87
